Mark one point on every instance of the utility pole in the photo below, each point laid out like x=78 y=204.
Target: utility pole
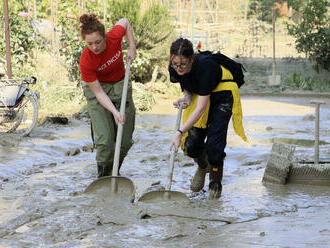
x=273 y=22
x=274 y=79
x=7 y=38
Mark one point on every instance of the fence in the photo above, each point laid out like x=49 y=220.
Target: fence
x=224 y=25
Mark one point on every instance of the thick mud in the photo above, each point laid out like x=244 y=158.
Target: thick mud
x=43 y=178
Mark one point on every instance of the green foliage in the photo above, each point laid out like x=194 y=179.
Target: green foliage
x=313 y=33
x=312 y=30
x=23 y=40
x=71 y=47
x=66 y=99
x=262 y=9
x=141 y=67
x=70 y=40
x=152 y=25
x=64 y=7
x=143 y=97
x=43 y=8
x=308 y=83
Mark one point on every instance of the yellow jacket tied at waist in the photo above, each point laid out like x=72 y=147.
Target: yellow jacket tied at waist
x=236 y=110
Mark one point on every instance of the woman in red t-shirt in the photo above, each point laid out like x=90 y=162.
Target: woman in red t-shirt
x=102 y=70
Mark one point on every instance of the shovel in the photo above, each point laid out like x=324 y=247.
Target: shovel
x=115 y=186
x=167 y=194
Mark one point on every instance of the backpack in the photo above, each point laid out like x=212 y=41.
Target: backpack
x=234 y=67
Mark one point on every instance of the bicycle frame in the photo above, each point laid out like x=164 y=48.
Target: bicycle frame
x=12 y=91
x=15 y=98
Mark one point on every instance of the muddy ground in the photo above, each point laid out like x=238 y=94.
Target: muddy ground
x=42 y=179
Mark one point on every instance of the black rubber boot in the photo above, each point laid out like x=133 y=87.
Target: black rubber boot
x=198 y=180
x=215 y=186
x=99 y=170
x=215 y=189
x=107 y=171
x=103 y=170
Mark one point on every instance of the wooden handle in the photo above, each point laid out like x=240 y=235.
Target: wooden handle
x=120 y=126
x=173 y=152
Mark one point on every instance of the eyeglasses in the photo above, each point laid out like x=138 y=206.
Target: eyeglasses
x=181 y=66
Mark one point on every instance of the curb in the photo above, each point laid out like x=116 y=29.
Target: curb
x=297 y=94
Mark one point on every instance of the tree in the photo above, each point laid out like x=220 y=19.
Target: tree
x=71 y=47
x=262 y=9
x=153 y=31
x=311 y=28
x=23 y=39
x=313 y=33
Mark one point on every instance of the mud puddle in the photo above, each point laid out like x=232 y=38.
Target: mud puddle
x=42 y=203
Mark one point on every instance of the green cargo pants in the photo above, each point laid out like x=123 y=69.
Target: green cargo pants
x=104 y=125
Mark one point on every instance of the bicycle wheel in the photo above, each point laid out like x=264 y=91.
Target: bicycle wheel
x=22 y=118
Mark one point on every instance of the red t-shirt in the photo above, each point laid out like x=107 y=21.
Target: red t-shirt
x=108 y=66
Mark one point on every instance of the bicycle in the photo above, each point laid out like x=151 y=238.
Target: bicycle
x=19 y=106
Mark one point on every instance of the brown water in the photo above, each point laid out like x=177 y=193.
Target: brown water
x=42 y=203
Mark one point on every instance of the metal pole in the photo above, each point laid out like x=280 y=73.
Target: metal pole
x=317 y=130
x=192 y=20
x=53 y=24
x=306 y=25
x=7 y=38
x=273 y=21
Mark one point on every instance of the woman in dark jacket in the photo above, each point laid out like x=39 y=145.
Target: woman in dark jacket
x=208 y=104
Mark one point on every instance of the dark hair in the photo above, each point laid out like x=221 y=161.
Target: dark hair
x=90 y=24
x=182 y=47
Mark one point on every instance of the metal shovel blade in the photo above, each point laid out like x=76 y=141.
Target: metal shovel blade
x=163 y=195
x=112 y=186
x=167 y=194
